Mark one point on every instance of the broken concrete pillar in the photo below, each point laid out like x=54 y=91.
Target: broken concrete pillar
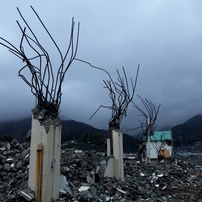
x=46 y=132
x=118 y=153
x=115 y=161
x=35 y=140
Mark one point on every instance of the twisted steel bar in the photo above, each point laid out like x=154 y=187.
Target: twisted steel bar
x=119 y=93
x=43 y=83
x=150 y=111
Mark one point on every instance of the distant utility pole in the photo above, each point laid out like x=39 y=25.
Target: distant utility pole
x=180 y=132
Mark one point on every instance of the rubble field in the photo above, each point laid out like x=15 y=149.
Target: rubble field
x=82 y=178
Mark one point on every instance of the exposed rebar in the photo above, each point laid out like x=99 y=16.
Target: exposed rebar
x=43 y=83
x=120 y=93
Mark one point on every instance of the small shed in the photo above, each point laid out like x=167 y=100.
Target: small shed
x=161 y=144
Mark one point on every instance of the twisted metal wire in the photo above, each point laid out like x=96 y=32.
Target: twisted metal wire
x=43 y=83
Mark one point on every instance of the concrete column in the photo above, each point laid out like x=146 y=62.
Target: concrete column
x=115 y=161
x=36 y=139
x=48 y=134
x=118 y=154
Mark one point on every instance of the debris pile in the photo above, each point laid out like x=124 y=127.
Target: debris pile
x=14 y=161
x=82 y=178
x=167 y=180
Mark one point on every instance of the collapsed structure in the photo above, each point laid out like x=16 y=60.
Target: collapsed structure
x=161 y=144
x=82 y=180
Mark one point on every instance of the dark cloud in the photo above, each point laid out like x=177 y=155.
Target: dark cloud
x=164 y=37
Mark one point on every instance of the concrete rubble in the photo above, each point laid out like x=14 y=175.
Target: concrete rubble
x=82 y=178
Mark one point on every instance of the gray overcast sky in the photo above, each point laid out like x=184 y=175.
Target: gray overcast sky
x=164 y=37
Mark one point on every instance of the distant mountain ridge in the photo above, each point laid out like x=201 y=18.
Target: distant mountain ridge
x=188 y=132
x=16 y=128
x=192 y=124
x=19 y=128
x=71 y=130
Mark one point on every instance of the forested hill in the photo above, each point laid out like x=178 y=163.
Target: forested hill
x=71 y=130
x=189 y=132
x=186 y=134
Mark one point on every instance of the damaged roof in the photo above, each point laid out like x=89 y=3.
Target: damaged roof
x=161 y=135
